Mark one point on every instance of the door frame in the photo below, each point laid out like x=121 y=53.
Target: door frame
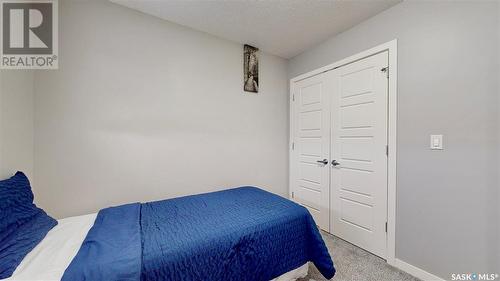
x=391 y=47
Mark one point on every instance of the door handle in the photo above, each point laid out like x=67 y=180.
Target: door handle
x=324 y=161
x=335 y=163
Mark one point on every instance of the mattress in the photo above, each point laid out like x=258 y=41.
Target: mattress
x=50 y=258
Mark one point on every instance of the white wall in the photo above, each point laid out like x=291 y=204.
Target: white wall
x=16 y=122
x=142 y=109
x=498 y=143
x=448 y=54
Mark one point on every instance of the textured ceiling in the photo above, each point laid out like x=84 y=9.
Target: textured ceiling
x=281 y=27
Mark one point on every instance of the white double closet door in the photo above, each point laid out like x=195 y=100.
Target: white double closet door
x=339 y=151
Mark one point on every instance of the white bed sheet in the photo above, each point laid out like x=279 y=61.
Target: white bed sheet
x=50 y=258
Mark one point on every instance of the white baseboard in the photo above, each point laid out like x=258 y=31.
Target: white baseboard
x=415 y=271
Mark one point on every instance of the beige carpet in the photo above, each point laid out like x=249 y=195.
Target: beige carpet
x=355 y=264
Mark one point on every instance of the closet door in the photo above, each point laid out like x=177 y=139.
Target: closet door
x=359 y=159
x=309 y=163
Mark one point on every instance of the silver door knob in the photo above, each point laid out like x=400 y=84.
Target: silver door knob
x=324 y=161
x=335 y=163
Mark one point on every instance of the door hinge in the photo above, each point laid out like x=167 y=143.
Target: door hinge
x=386 y=70
x=387 y=150
x=293 y=145
x=293 y=97
x=386 y=227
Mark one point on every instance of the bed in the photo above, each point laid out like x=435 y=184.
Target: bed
x=237 y=234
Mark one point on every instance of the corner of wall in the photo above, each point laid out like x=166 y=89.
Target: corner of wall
x=16 y=122
x=1 y=122
x=498 y=140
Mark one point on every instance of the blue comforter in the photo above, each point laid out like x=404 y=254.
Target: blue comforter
x=22 y=224
x=112 y=248
x=237 y=234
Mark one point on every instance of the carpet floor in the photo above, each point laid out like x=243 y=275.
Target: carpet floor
x=355 y=264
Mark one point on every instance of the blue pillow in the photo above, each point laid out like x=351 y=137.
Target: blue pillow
x=16 y=203
x=22 y=224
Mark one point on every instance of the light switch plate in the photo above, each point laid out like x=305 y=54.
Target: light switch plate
x=436 y=142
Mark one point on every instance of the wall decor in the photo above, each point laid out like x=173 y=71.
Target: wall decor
x=250 y=69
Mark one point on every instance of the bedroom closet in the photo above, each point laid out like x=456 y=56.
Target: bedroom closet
x=339 y=150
